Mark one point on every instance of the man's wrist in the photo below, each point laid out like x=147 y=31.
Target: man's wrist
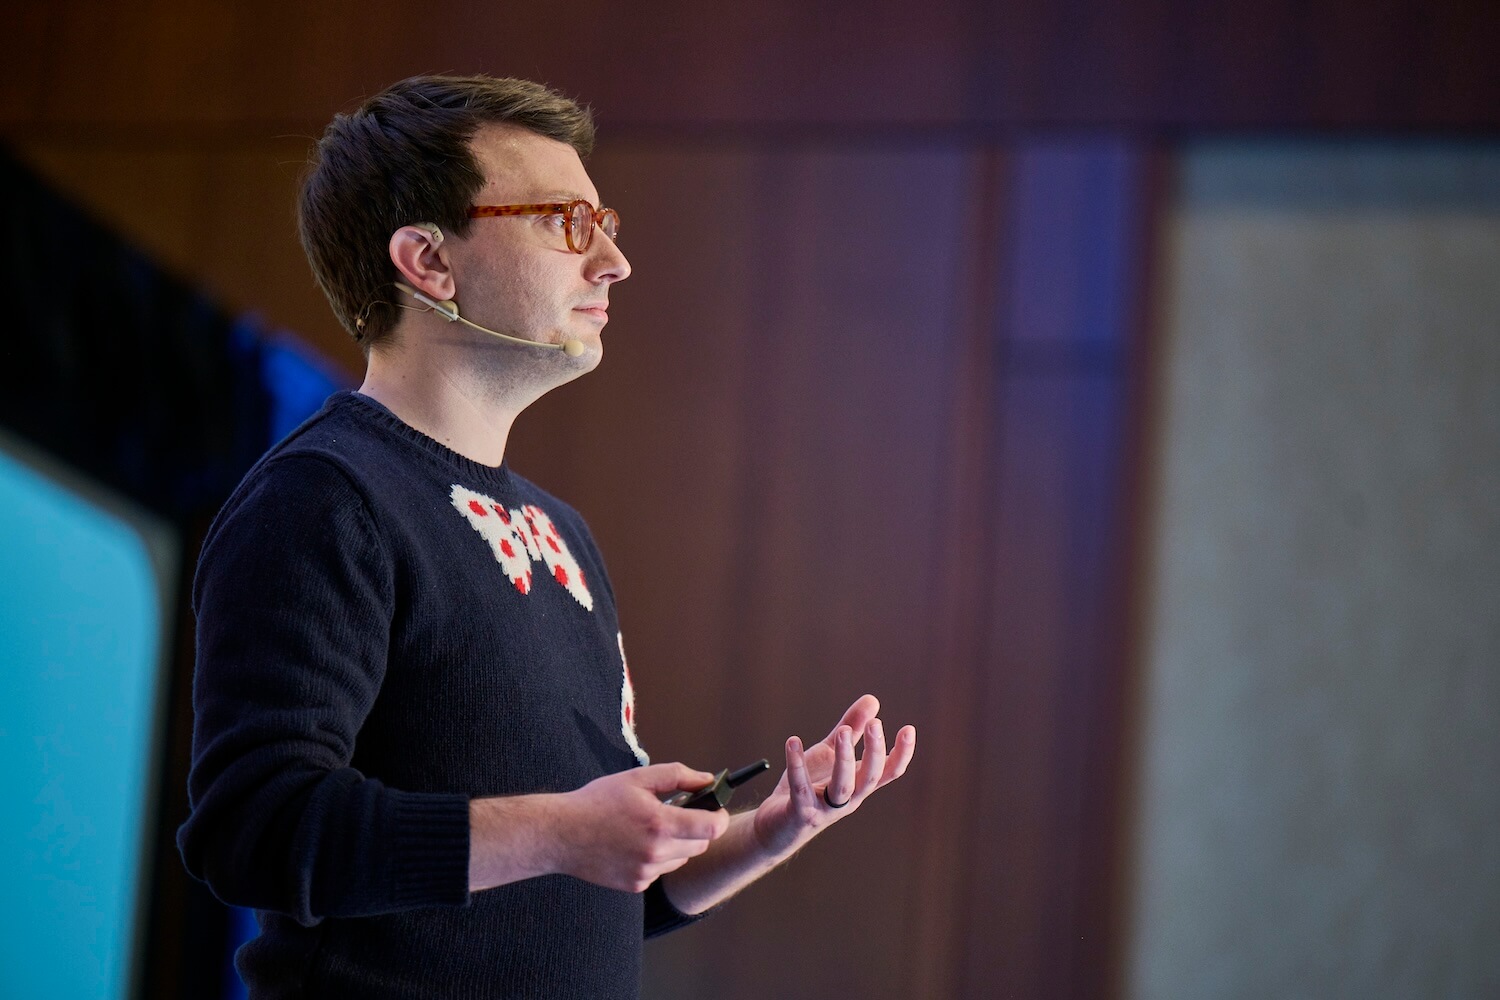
x=733 y=862
x=769 y=852
x=512 y=838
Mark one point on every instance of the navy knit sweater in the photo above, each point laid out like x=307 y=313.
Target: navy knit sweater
x=385 y=630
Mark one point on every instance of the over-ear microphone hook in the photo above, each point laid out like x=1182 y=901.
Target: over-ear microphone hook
x=446 y=308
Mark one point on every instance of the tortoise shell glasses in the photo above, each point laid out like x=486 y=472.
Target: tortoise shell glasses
x=581 y=218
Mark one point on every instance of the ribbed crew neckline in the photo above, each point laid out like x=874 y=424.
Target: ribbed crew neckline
x=495 y=475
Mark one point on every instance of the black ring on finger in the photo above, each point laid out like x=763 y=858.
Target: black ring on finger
x=834 y=805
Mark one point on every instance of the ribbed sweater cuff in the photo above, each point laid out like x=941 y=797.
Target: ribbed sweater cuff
x=662 y=917
x=432 y=849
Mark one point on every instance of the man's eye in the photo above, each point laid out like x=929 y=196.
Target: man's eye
x=553 y=221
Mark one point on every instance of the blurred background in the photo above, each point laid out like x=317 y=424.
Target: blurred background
x=1112 y=389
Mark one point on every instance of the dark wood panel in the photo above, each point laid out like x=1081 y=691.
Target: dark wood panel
x=936 y=931
x=1050 y=666
x=202 y=65
x=152 y=196
x=30 y=56
x=761 y=460
x=822 y=461
x=249 y=250
x=650 y=445
x=220 y=216
x=1067 y=323
x=1160 y=64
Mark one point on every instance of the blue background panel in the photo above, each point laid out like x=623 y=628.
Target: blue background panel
x=81 y=629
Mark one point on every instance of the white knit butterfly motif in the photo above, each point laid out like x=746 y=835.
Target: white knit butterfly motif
x=523 y=535
x=520 y=537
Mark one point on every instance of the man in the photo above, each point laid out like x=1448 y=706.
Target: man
x=414 y=749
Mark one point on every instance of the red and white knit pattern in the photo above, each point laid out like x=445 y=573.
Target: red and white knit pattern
x=520 y=537
x=627 y=709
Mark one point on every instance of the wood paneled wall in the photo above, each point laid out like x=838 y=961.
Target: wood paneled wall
x=219 y=66
x=187 y=123
x=872 y=437
x=867 y=419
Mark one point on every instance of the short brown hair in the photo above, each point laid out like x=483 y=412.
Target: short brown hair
x=404 y=157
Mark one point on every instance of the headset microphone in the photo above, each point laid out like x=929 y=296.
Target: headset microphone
x=448 y=309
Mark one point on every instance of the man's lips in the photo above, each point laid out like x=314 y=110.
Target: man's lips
x=598 y=310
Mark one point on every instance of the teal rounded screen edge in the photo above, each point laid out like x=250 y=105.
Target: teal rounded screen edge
x=81 y=623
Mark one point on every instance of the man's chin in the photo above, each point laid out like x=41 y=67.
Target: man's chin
x=593 y=349
x=585 y=361
x=592 y=355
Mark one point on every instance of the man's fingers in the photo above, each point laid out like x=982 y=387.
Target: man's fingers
x=872 y=764
x=658 y=870
x=841 y=782
x=693 y=824
x=796 y=774
x=693 y=848
x=676 y=777
x=901 y=754
x=672 y=851
x=856 y=717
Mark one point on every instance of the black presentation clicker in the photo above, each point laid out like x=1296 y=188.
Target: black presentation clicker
x=717 y=794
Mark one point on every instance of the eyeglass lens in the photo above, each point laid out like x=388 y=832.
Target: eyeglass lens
x=581 y=225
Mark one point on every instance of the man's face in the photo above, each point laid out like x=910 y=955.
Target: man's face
x=516 y=274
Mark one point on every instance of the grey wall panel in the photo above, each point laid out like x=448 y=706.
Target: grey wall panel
x=1320 y=758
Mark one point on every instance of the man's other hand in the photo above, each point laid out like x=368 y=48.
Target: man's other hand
x=824 y=783
x=616 y=832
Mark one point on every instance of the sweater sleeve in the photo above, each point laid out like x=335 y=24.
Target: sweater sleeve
x=294 y=600
x=662 y=917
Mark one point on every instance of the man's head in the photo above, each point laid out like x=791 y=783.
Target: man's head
x=406 y=156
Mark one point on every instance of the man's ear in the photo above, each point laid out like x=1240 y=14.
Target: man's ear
x=416 y=252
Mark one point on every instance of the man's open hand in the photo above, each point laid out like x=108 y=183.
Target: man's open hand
x=824 y=783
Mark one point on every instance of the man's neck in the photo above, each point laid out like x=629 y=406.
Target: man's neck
x=451 y=406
